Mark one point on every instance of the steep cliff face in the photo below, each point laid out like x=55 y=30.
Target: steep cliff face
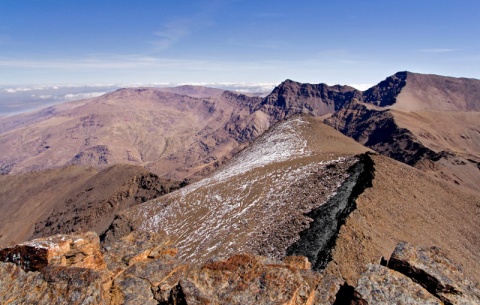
x=378 y=130
x=387 y=91
x=290 y=98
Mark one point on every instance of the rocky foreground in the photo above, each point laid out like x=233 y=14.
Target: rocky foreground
x=141 y=268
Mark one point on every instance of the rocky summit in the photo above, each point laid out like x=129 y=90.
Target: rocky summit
x=142 y=268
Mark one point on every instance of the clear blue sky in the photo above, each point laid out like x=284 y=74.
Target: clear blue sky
x=347 y=42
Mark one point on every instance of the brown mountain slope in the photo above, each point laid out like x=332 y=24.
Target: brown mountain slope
x=165 y=132
x=429 y=121
x=72 y=199
x=435 y=92
x=407 y=204
x=174 y=132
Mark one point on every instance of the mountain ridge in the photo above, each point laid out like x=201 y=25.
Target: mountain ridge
x=266 y=177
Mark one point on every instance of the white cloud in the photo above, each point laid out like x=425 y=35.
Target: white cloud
x=361 y=87
x=15 y=90
x=171 y=33
x=100 y=62
x=81 y=96
x=437 y=50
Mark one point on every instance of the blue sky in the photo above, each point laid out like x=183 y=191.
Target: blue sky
x=346 y=42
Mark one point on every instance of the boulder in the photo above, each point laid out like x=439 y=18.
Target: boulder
x=78 y=250
x=136 y=247
x=431 y=268
x=52 y=285
x=380 y=285
x=249 y=279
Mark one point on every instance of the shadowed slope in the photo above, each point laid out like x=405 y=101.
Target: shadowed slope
x=429 y=121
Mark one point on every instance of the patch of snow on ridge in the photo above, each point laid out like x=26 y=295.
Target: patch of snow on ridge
x=282 y=144
x=242 y=208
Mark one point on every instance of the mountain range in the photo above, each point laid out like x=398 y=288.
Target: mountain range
x=331 y=173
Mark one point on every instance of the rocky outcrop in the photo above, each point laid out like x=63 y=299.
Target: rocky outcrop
x=62 y=269
x=380 y=285
x=53 y=285
x=80 y=251
x=247 y=279
x=317 y=241
x=433 y=270
x=291 y=98
x=142 y=268
x=417 y=275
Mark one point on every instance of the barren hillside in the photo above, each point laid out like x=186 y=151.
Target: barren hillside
x=72 y=199
x=168 y=133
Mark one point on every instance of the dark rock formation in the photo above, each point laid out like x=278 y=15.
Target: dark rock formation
x=317 y=241
x=417 y=275
x=291 y=98
x=378 y=130
x=386 y=92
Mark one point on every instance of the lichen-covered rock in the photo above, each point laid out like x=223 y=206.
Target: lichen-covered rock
x=327 y=289
x=149 y=281
x=136 y=247
x=299 y=262
x=78 y=250
x=380 y=285
x=53 y=285
x=247 y=279
x=431 y=268
x=132 y=291
x=144 y=268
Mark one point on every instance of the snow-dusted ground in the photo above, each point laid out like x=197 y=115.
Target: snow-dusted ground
x=239 y=206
